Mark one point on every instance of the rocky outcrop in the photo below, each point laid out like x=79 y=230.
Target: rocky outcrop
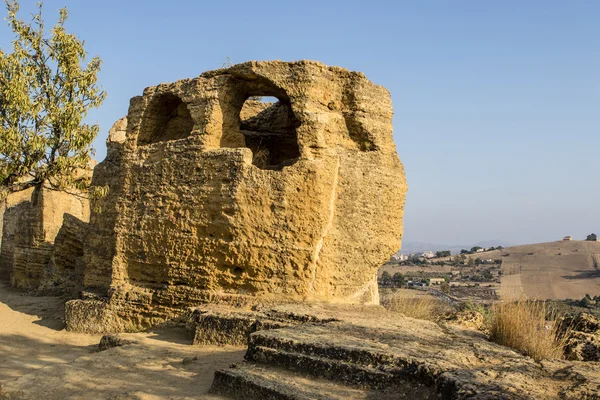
x=470 y=319
x=216 y=196
x=340 y=352
x=583 y=337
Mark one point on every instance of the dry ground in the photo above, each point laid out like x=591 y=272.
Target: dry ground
x=43 y=361
x=555 y=270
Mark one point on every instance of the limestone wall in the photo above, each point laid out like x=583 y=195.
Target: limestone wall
x=17 y=206
x=101 y=239
x=32 y=219
x=215 y=198
x=63 y=273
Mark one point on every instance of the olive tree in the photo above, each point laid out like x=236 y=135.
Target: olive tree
x=46 y=91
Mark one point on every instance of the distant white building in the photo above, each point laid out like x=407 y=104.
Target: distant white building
x=426 y=254
x=436 y=281
x=479 y=250
x=399 y=257
x=567 y=238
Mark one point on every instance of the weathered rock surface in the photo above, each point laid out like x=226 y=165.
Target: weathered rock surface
x=15 y=208
x=110 y=341
x=470 y=319
x=583 y=346
x=31 y=222
x=216 y=325
x=373 y=354
x=64 y=272
x=217 y=199
x=583 y=342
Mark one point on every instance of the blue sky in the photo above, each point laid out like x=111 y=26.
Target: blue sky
x=497 y=104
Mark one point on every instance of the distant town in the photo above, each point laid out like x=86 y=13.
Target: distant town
x=475 y=273
x=428 y=254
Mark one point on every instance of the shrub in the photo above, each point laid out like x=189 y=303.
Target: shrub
x=445 y=288
x=526 y=326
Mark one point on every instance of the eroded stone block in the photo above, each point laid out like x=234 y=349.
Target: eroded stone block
x=218 y=196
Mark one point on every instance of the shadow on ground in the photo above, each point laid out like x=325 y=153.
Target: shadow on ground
x=20 y=355
x=50 y=310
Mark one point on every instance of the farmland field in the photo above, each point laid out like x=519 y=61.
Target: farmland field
x=555 y=270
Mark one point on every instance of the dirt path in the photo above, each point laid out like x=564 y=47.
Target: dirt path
x=40 y=360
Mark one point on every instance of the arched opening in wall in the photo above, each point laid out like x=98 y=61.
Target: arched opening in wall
x=269 y=128
x=166 y=118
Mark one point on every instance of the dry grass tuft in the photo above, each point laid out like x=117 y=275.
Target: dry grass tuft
x=261 y=157
x=422 y=307
x=526 y=326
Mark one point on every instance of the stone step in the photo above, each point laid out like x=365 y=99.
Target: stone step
x=251 y=381
x=344 y=358
x=327 y=368
x=222 y=325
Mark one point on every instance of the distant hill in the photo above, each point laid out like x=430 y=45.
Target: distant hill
x=554 y=270
x=415 y=247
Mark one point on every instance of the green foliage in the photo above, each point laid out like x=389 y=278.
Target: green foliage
x=416 y=260
x=474 y=249
x=592 y=237
x=487 y=275
x=472 y=307
x=398 y=279
x=95 y=194
x=46 y=91
x=443 y=253
x=385 y=279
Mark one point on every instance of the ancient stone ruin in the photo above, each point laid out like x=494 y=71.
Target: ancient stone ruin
x=262 y=223
x=41 y=243
x=218 y=196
